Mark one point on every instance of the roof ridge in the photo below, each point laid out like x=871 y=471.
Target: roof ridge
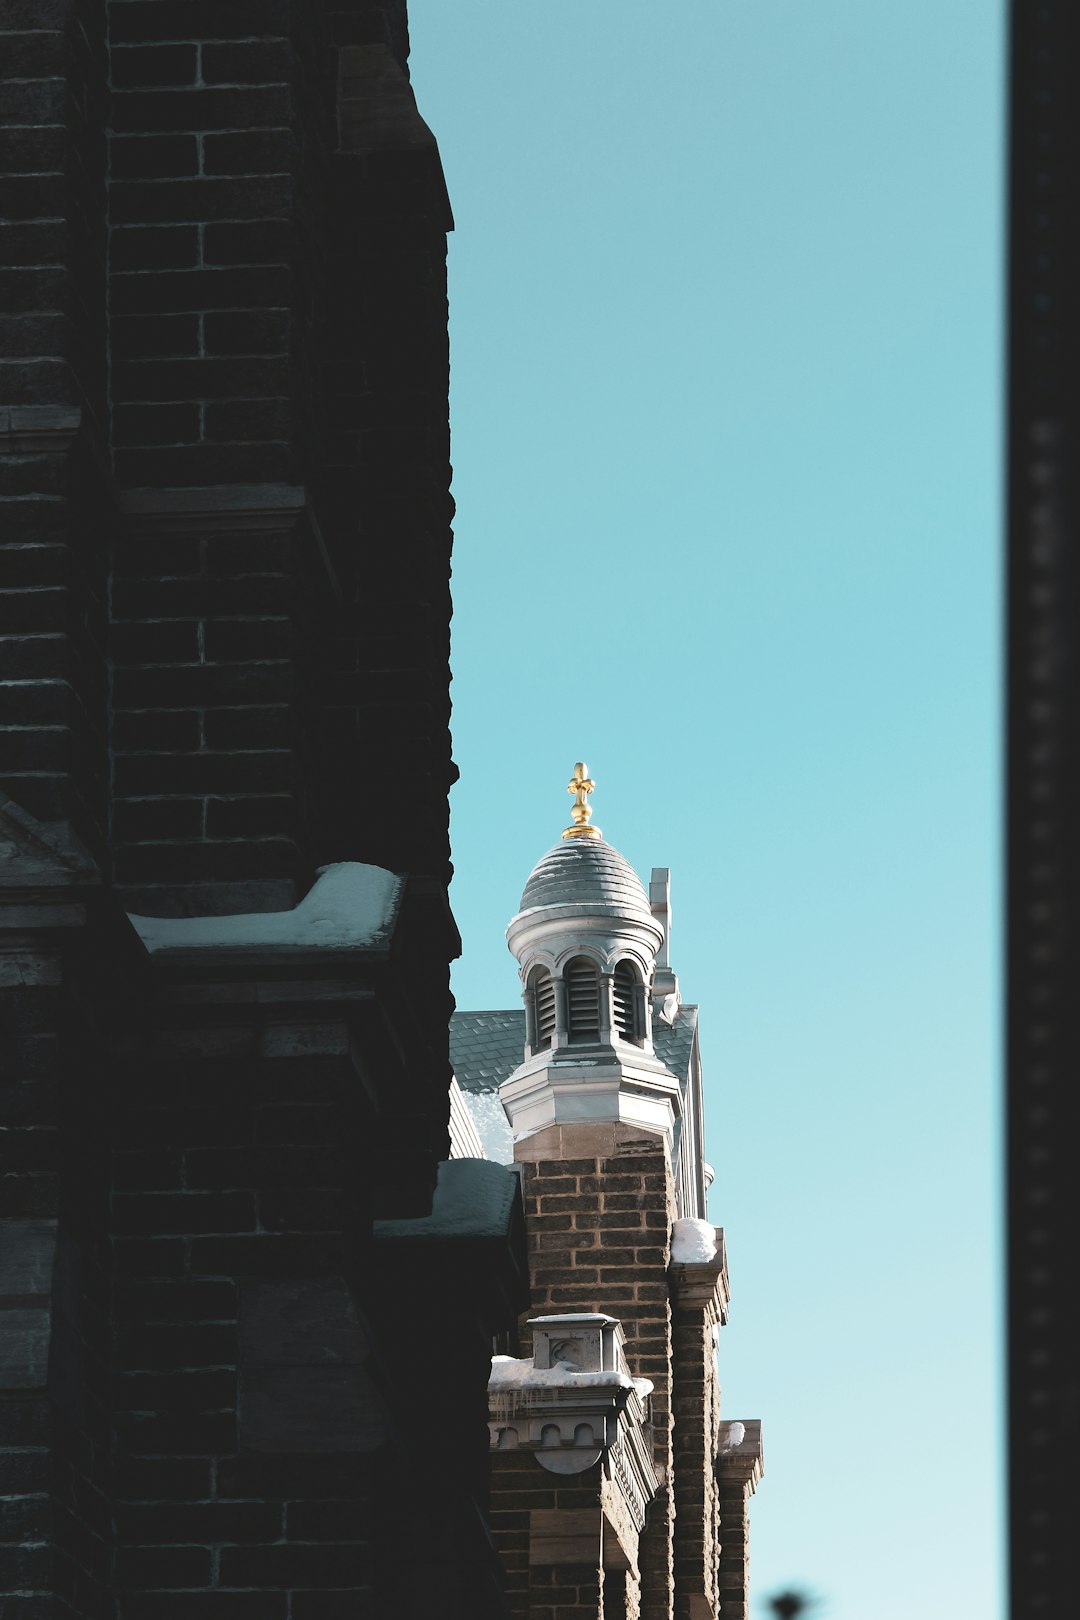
x=488 y=1012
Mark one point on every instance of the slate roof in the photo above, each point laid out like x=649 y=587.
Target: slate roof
x=485 y=1047
x=673 y=1043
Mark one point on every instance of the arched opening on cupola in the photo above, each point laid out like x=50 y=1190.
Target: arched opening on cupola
x=542 y=990
x=627 y=1002
x=582 y=978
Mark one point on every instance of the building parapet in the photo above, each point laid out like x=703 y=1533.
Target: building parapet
x=697 y=1278
x=574 y=1403
x=738 y=1454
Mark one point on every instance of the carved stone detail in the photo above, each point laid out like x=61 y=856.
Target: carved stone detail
x=574 y=1402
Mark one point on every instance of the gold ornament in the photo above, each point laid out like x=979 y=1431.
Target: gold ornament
x=581 y=785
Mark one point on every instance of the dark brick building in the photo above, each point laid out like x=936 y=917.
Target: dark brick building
x=225 y=553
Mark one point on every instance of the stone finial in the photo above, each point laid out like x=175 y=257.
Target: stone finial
x=583 y=1342
x=581 y=785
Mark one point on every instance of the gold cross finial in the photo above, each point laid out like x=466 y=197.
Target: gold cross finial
x=581 y=785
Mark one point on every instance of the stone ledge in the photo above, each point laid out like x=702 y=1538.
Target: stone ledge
x=703 y=1285
x=28 y=430
x=739 y=1456
x=45 y=872
x=226 y=509
x=217 y=506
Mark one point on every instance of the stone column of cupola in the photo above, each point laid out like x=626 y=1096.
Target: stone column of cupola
x=584 y=902
x=643 y=1010
x=561 y=1033
x=528 y=996
x=607 y=1008
x=647 y=1015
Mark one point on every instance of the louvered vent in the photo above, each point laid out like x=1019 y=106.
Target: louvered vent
x=544 y=992
x=583 y=999
x=624 y=987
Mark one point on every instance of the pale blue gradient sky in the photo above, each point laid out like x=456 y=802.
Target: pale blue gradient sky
x=726 y=407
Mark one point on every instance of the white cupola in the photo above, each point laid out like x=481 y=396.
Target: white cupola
x=587 y=941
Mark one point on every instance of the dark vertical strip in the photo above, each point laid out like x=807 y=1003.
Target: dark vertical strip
x=1043 y=1007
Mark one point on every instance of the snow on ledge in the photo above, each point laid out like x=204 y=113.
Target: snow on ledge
x=350 y=906
x=693 y=1242
x=512 y=1372
x=574 y=1316
x=473 y=1199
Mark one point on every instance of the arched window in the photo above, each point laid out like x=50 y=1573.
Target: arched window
x=625 y=985
x=544 y=1006
x=583 y=999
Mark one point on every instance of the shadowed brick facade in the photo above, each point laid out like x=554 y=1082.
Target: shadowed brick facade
x=224 y=610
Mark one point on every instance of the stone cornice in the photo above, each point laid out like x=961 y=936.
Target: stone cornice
x=574 y=1403
x=702 y=1285
x=575 y=1087
x=47 y=877
x=215 y=506
x=739 y=1455
x=29 y=430
x=227 y=508
x=36 y=853
x=568 y=1430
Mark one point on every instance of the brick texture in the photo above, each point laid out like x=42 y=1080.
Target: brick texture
x=696 y=1405
x=599 y=1203
x=733 y=1576
x=278 y=317
x=224 y=593
x=53 y=414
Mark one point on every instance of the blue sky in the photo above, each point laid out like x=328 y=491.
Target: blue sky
x=726 y=409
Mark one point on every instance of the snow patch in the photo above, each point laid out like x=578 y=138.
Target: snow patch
x=473 y=1198
x=492 y=1126
x=464 y=1142
x=512 y=1372
x=574 y=1316
x=670 y=1009
x=693 y=1242
x=350 y=906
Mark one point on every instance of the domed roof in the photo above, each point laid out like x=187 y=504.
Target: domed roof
x=586 y=872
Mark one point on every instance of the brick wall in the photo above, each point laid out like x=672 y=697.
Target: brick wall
x=537 y=1590
x=278 y=306
x=734 y=1568
x=570 y=1592
x=276 y=298
x=53 y=420
x=276 y=1401
x=204 y=725
x=52 y=170
x=599 y=1203
x=203 y=175
x=245 y=1419
x=55 y=1280
x=30 y=1156
x=224 y=622
x=697 y=1411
